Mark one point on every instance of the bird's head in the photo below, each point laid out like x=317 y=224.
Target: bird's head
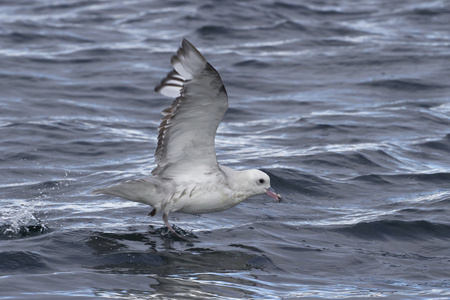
x=258 y=183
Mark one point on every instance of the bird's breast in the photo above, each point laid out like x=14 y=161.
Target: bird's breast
x=200 y=200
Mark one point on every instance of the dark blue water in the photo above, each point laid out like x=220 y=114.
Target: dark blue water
x=346 y=105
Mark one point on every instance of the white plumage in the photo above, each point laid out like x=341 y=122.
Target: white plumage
x=188 y=178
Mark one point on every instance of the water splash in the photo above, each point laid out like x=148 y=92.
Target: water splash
x=21 y=222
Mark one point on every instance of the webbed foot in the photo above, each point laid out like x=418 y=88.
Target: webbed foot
x=166 y=221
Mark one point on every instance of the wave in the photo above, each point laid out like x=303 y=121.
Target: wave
x=317 y=10
x=404 y=84
x=390 y=229
x=290 y=181
x=437 y=145
x=21 y=261
x=437 y=178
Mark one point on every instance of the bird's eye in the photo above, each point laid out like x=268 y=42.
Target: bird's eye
x=261 y=181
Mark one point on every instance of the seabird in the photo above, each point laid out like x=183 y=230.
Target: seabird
x=188 y=178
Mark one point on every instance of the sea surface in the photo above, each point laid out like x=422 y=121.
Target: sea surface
x=345 y=104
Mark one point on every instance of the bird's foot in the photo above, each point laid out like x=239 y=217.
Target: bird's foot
x=166 y=221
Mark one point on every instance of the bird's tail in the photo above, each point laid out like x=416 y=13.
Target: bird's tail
x=142 y=190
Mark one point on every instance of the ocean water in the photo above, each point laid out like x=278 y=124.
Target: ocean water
x=345 y=104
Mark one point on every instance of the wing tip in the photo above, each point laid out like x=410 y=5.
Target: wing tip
x=187 y=46
x=186 y=63
x=174 y=59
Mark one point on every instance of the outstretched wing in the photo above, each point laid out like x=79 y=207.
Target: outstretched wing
x=188 y=128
